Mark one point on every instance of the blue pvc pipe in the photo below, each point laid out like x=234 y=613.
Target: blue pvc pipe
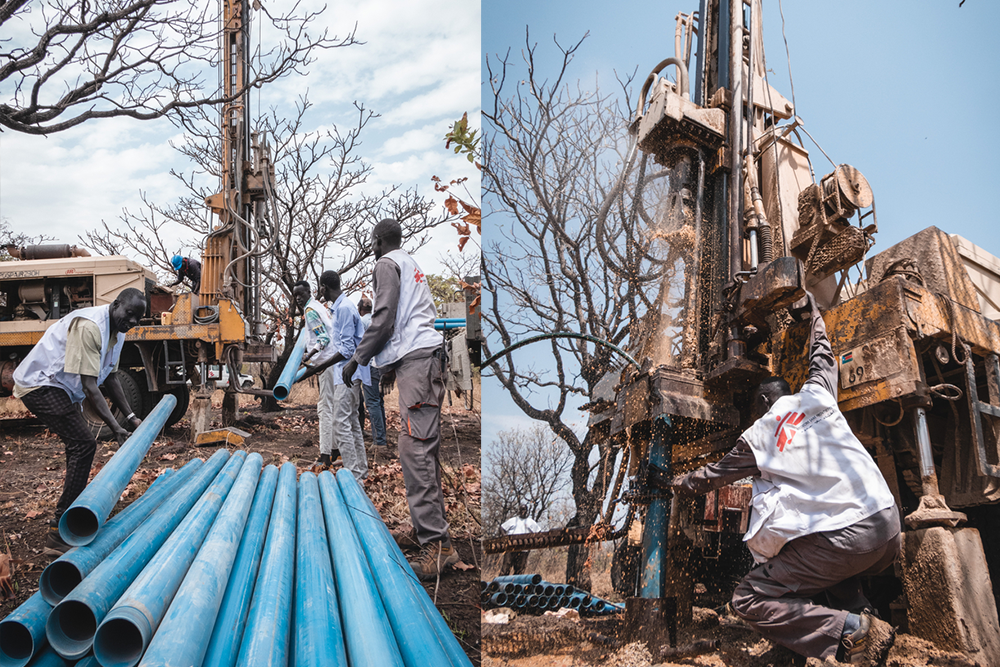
x=73 y=622
x=63 y=575
x=533 y=579
x=399 y=585
x=22 y=633
x=265 y=641
x=449 y=320
x=79 y=524
x=498 y=599
x=227 y=635
x=182 y=637
x=368 y=632
x=319 y=633
x=654 y=535
x=289 y=374
x=49 y=658
x=126 y=631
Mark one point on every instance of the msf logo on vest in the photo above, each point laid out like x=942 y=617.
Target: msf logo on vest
x=788 y=428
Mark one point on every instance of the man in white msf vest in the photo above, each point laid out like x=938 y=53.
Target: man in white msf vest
x=404 y=345
x=822 y=516
x=66 y=367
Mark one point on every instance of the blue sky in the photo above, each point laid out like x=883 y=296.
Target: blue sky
x=905 y=92
x=417 y=68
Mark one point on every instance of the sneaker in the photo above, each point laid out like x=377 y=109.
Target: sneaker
x=866 y=640
x=406 y=539
x=55 y=546
x=432 y=559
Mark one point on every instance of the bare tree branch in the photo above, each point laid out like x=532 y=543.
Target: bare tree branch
x=63 y=62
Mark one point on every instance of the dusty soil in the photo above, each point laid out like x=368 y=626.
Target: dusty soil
x=32 y=467
x=545 y=641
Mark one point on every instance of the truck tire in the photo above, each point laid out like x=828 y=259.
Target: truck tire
x=183 y=395
x=134 y=387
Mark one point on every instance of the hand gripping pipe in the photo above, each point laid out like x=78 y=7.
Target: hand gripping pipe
x=64 y=574
x=228 y=632
x=73 y=622
x=126 y=631
x=400 y=589
x=319 y=634
x=368 y=632
x=80 y=523
x=265 y=640
x=22 y=633
x=289 y=374
x=182 y=638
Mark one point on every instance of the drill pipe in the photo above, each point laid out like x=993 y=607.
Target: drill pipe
x=367 y=628
x=79 y=524
x=63 y=575
x=126 y=631
x=183 y=635
x=73 y=622
x=289 y=374
x=398 y=584
x=224 y=646
x=22 y=633
x=319 y=634
x=265 y=640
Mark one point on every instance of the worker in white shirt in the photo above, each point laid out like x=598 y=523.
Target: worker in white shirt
x=822 y=517
x=514 y=562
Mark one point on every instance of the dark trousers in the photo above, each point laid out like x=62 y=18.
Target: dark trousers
x=54 y=408
x=514 y=562
x=777 y=598
x=376 y=407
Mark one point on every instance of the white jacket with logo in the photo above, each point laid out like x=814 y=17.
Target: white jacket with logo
x=415 y=313
x=45 y=364
x=815 y=475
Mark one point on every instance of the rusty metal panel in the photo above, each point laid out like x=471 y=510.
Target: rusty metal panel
x=937 y=316
x=205 y=332
x=232 y=328
x=20 y=338
x=940 y=266
x=878 y=319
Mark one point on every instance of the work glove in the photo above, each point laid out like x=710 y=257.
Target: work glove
x=387 y=383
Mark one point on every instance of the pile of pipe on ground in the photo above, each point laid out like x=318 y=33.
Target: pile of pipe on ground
x=529 y=594
x=227 y=562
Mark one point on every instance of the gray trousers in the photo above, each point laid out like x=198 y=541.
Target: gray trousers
x=347 y=428
x=776 y=597
x=420 y=381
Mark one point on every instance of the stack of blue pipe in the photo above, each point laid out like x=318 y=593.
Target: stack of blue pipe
x=529 y=594
x=227 y=562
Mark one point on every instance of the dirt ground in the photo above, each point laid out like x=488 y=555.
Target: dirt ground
x=557 y=642
x=548 y=641
x=32 y=467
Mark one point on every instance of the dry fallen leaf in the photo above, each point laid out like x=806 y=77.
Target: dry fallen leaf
x=463 y=566
x=6 y=583
x=168 y=457
x=32 y=514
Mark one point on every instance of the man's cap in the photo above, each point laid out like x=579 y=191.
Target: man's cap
x=176 y=262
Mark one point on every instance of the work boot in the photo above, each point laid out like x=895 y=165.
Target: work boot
x=406 y=539
x=866 y=640
x=432 y=559
x=55 y=546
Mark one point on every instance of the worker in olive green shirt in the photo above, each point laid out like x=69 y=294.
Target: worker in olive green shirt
x=66 y=367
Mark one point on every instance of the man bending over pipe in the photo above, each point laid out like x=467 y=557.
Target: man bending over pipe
x=822 y=516
x=68 y=365
x=404 y=345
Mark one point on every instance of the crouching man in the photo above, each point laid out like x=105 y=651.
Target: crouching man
x=822 y=517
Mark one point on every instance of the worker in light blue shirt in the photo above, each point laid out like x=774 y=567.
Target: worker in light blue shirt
x=346 y=331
